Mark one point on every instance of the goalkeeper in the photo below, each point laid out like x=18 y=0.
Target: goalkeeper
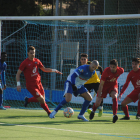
x=92 y=83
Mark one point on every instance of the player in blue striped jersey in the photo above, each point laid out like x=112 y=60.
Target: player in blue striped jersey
x=3 y=67
x=75 y=85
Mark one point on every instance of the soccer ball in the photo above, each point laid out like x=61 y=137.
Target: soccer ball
x=68 y=112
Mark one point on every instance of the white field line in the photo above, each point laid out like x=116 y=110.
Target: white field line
x=117 y=134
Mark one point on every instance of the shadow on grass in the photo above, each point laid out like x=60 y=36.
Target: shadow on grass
x=20 y=116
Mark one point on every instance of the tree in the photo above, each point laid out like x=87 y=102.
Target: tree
x=23 y=7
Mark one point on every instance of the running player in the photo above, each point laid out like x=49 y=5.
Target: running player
x=33 y=79
x=92 y=83
x=75 y=85
x=3 y=67
x=109 y=85
x=134 y=77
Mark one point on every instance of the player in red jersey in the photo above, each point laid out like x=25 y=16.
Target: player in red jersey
x=134 y=77
x=108 y=84
x=33 y=79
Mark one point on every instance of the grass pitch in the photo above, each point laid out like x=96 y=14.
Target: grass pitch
x=22 y=124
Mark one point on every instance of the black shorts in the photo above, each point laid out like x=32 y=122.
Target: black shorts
x=91 y=86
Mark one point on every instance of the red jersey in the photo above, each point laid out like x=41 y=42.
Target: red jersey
x=134 y=77
x=111 y=78
x=30 y=70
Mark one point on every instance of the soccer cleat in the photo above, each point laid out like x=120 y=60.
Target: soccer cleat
x=2 y=108
x=26 y=101
x=125 y=118
x=115 y=118
x=82 y=117
x=52 y=115
x=91 y=116
x=137 y=116
x=89 y=110
x=100 y=111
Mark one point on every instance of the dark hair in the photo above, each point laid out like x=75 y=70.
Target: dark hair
x=31 y=48
x=114 y=62
x=137 y=60
x=100 y=69
x=3 y=53
x=84 y=55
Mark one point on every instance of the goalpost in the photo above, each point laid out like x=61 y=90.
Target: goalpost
x=59 y=40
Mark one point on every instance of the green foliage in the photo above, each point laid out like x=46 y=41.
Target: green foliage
x=23 y=7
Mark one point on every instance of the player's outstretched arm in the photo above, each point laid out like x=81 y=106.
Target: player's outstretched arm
x=50 y=70
x=18 y=80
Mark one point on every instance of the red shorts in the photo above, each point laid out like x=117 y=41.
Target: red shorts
x=36 y=90
x=108 y=89
x=134 y=94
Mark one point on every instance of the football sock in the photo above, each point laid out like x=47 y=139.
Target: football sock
x=125 y=110
x=139 y=107
x=46 y=108
x=33 y=99
x=1 y=96
x=84 y=107
x=94 y=107
x=63 y=102
x=115 y=106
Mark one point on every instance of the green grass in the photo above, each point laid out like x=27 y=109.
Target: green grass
x=21 y=124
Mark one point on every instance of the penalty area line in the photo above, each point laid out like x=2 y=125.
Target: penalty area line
x=105 y=134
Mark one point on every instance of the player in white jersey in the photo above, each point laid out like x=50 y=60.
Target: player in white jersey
x=75 y=85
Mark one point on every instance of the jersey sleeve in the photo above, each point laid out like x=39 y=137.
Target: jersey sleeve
x=79 y=70
x=40 y=65
x=22 y=65
x=73 y=77
x=126 y=84
x=121 y=70
x=104 y=75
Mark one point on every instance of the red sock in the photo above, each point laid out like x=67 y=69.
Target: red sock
x=94 y=107
x=33 y=99
x=46 y=108
x=115 y=106
x=139 y=107
x=125 y=110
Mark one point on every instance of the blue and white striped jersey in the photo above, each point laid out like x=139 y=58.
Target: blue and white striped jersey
x=80 y=75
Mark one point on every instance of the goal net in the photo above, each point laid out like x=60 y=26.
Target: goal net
x=59 y=44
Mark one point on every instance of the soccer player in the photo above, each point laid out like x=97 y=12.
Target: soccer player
x=33 y=79
x=134 y=77
x=92 y=83
x=3 y=67
x=75 y=84
x=109 y=85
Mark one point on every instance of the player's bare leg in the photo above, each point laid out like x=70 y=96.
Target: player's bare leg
x=88 y=98
x=114 y=94
x=68 y=97
x=1 y=99
x=124 y=103
x=95 y=106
